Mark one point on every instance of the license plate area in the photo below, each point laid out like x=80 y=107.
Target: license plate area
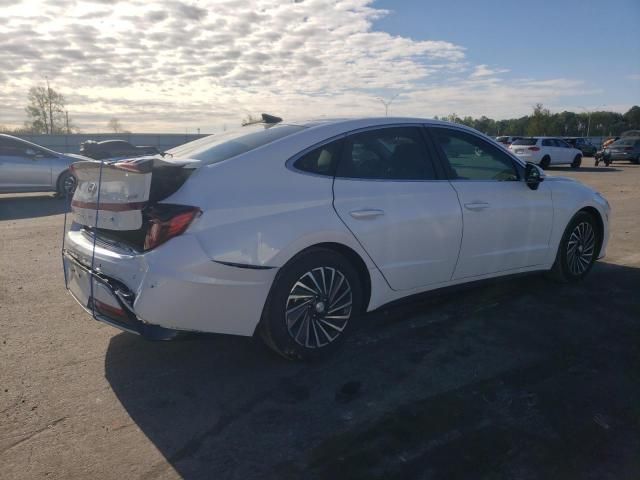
x=92 y=293
x=519 y=150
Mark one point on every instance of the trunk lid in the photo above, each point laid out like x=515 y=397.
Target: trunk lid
x=112 y=198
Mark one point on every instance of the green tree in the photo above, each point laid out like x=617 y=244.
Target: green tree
x=539 y=121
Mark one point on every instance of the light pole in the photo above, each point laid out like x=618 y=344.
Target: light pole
x=589 y=112
x=387 y=103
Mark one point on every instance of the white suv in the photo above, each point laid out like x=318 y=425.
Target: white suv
x=546 y=151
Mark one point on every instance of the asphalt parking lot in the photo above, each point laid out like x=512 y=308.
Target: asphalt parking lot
x=519 y=379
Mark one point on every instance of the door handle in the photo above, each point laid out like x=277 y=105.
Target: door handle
x=476 y=206
x=366 y=213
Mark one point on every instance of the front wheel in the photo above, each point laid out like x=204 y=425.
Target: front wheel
x=578 y=249
x=312 y=305
x=576 y=162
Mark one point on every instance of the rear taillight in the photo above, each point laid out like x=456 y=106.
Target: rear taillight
x=534 y=149
x=135 y=165
x=166 y=222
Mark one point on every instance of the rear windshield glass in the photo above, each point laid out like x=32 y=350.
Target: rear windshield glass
x=502 y=139
x=525 y=141
x=216 y=148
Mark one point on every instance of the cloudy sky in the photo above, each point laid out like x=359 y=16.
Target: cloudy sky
x=176 y=65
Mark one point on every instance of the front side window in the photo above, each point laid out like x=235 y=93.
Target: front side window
x=321 y=160
x=472 y=158
x=395 y=153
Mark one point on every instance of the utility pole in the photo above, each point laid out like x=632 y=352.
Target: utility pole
x=66 y=116
x=50 y=107
x=387 y=103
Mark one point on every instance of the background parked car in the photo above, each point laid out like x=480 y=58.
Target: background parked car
x=586 y=147
x=115 y=149
x=546 y=151
x=27 y=167
x=627 y=148
x=506 y=140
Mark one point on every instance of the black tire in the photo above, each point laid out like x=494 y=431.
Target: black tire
x=305 y=335
x=66 y=184
x=636 y=160
x=565 y=267
x=577 y=162
x=545 y=162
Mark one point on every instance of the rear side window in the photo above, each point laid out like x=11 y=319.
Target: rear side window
x=472 y=158
x=216 y=148
x=395 y=153
x=525 y=141
x=548 y=142
x=322 y=160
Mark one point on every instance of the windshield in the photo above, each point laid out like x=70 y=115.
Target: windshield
x=525 y=141
x=219 y=147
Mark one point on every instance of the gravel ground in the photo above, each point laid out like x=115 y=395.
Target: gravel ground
x=519 y=379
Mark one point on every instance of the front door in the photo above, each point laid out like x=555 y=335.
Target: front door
x=506 y=224
x=23 y=167
x=387 y=193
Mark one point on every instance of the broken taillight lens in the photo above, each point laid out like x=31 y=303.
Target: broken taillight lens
x=166 y=222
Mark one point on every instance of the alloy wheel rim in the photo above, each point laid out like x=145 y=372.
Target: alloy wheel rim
x=319 y=307
x=581 y=248
x=69 y=184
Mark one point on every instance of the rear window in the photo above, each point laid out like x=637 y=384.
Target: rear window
x=525 y=141
x=216 y=148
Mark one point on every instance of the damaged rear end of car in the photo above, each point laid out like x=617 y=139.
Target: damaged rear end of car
x=117 y=216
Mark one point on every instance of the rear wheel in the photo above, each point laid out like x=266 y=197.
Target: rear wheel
x=578 y=249
x=576 y=162
x=636 y=160
x=545 y=162
x=312 y=305
x=66 y=184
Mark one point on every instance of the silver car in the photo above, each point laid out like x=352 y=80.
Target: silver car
x=27 y=167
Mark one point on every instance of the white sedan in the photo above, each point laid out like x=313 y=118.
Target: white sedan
x=546 y=151
x=294 y=230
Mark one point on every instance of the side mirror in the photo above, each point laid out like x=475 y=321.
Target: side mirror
x=533 y=175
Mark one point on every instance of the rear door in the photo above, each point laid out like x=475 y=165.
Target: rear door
x=407 y=218
x=23 y=167
x=506 y=224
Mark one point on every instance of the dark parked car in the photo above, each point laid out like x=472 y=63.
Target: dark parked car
x=114 y=149
x=627 y=148
x=586 y=147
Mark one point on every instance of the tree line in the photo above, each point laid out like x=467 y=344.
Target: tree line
x=566 y=124
x=47 y=114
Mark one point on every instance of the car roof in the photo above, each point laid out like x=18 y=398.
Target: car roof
x=12 y=137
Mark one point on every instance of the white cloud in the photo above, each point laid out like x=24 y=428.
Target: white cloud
x=485 y=71
x=176 y=64
x=634 y=76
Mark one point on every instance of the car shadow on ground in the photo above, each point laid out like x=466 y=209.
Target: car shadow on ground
x=20 y=207
x=519 y=378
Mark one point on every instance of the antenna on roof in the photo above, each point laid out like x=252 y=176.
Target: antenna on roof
x=266 y=119
x=270 y=119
